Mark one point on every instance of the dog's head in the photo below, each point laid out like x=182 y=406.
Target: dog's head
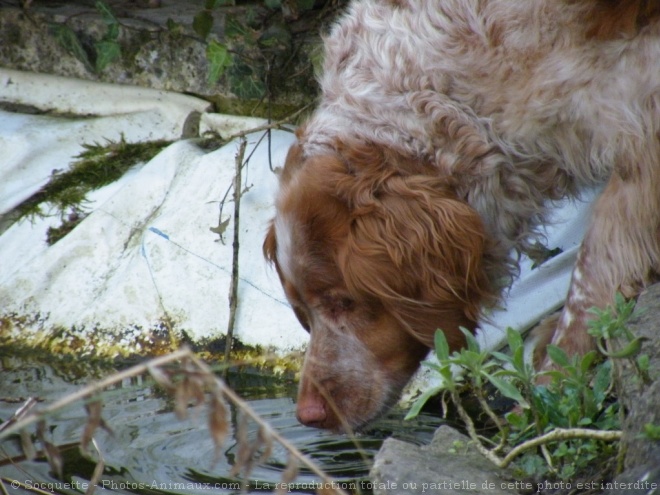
x=374 y=254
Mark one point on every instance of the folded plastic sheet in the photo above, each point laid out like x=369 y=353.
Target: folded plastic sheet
x=144 y=259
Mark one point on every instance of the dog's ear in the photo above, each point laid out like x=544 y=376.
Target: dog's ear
x=613 y=19
x=419 y=249
x=270 y=244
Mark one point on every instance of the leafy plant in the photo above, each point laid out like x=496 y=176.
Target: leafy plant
x=566 y=420
x=106 y=50
x=610 y=330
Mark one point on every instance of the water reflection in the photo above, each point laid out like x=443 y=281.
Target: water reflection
x=151 y=451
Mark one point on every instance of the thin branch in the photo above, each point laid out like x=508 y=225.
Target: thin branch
x=20 y=413
x=98 y=470
x=233 y=289
x=472 y=431
x=274 y=125
x=494 y=418
x=558 y=435
x=18 y=484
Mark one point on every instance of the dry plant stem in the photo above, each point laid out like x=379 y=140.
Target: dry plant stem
x=558 y=435
x=555 y=435
x=23 y=486
x=544 y=449
x=472 y=432
x=98 y=470
x=233 y=290
x=494 y=418
x=274 y=125
x=20 y=413
x=247 y=410
x=94 y=388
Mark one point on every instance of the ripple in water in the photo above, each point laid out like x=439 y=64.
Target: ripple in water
x=151 y=451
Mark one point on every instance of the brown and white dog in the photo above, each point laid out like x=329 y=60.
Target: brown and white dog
x=444 y=130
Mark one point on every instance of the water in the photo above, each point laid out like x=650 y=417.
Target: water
x=151 y=451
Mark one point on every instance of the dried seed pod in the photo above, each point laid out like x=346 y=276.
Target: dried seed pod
x=289 y=474
x=94 y=421
x=53 y=455
x=218 y=423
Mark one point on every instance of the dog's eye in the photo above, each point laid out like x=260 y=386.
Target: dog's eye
x=337 y=304
x=346 y=303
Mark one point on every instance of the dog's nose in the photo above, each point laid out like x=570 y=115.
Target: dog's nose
x=311 y=413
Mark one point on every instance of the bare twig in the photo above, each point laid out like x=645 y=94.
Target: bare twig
x=272 y=125
x=559 y=434
x=20 y=413
x=98 y=470
x=233 y=289
x=29 y=488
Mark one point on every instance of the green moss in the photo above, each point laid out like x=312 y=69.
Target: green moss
x=97 y=166
x=34 y=334
x=251 y=108
x=54 y=234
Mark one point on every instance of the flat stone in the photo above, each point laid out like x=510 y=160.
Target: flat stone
x=448 y=465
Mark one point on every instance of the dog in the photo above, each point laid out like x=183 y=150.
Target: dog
x=445 y=129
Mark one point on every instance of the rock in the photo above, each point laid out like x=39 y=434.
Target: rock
x=449 y=464
x=131 y=43
x=642 y=402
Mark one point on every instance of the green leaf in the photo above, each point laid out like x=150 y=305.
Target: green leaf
x=68 y=39
x=106 y=53
x=173 y=26
x=602 y=381
x=630 y=350
x=507 y=389
x=471 y=342
x=273 y=4
x=107 y=14
x=110 y=20
x=219 y=59
x=518 y=421
x=421 y=400
x=244 y=82
x=651 y=431
x=587 y=360
x=505 y=358
x=558 y=355
x=202 y=24
x=432 y=365
x=441 y=346
x=514 y=339
x=235 y=28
